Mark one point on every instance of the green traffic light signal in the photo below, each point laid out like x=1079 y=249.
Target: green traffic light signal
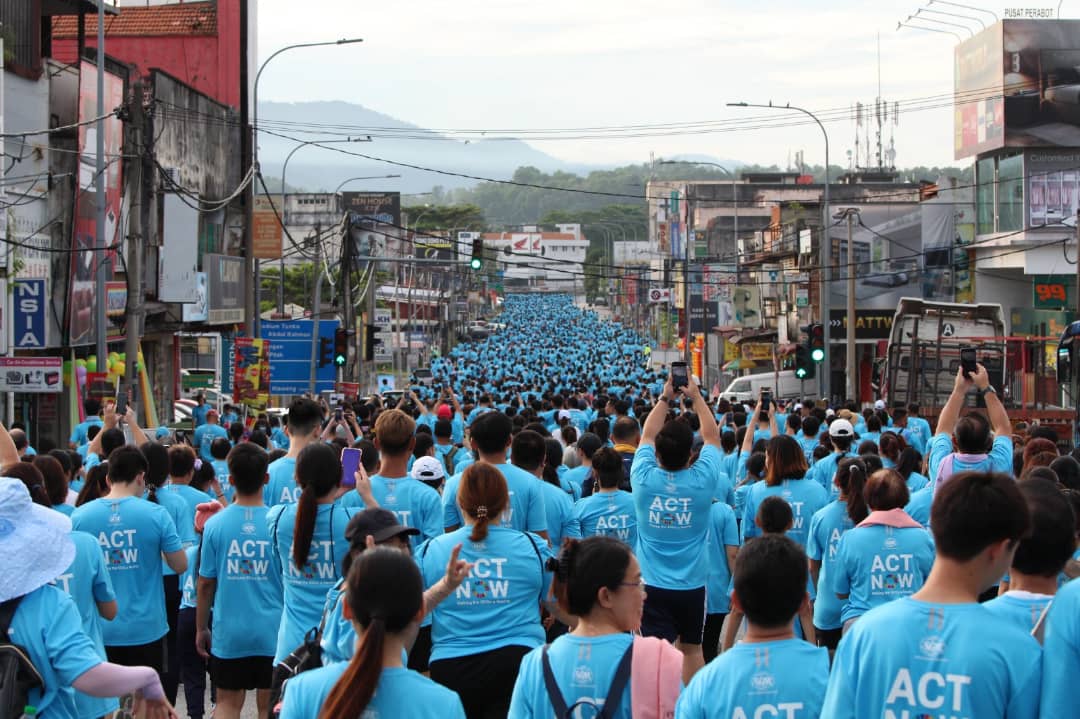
x=800 y=372
x=339 y=360
x=475 y=263
x=817 y=354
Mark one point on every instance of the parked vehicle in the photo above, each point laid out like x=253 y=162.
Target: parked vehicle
x=784 y=385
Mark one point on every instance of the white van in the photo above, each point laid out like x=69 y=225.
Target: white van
x=784 y=386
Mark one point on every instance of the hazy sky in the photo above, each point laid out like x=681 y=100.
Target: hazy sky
x=510 y=64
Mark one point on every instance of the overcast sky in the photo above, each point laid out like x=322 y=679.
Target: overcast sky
x=512 y=64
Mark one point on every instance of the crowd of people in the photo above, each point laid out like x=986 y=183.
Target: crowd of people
x=551 y=528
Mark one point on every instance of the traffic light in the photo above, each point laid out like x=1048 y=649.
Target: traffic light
x=477 y=260
x=341 y=347
x=326 y=349
x=369 y=342
x=816 y=342
x=804 y=367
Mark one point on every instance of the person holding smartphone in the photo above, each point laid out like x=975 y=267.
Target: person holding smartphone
x=672 y=502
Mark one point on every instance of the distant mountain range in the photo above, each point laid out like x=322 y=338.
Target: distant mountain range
x=322 y=169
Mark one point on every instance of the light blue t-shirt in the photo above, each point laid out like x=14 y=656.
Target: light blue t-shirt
x=827 y=526
x=78 y=433
x=917 y=433
x=192 y=498
x=204 y=436
x=132 y=534
x=221 y=471
x=198 y=414
x=87 y=582
x=558 y=510
x=824 y=471
x=188 y=593
x=281 y=487
x=497 y=605
x=1000 y=458
x=913 y=658
x=584 y=668
x=47 y=625
x=338 y=638
x=401 y=693
x=305 y=588
x=1021 y=608
x=918 y=507
x=784 y=679
x=916 y=482
x=609 y=514
x=723 y=533
x=1061 y=646
x=413 y=503
x=805 y=497
x=182 y=516
x=673 y=517
x=808 y=444
x=573 y=479
x=877 y=564
x=526 y=511
x=236 y=551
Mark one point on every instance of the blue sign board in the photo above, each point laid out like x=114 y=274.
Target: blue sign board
x=28 y=314
x=290 y=356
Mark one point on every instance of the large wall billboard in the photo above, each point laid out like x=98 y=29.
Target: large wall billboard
x=1018 y=85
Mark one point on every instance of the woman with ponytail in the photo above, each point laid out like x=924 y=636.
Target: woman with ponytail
x=308 y=543
x=827 y=526
x=908 y=465
x=482 y=631
x=385 y=603
x=887 y=555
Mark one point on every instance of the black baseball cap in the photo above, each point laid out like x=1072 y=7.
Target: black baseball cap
x=380 y=523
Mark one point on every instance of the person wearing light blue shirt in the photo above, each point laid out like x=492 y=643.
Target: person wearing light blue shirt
x=672 y=501
x=940 y=652
x=610 y=511
x=769 y=673
x=887 y=556
x=134 y=536
x=972 y=433
x=199 y=411
x=206 y=433
x=785 y=467
x=322 y=522
x=87 y=582
x=528 y=453
x=385 y=586
x=491 y=436
x=78 y=437
x=843 y=436
x=722 y=547
x=481 y=632
x=827 y=527
x=1061 y=649
x=1040 y=558
x=599 y=582
x=304 y=427
x=240 y=581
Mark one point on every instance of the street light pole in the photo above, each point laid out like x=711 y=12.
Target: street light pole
x=251 y=267
x=825 y=378
x=851 y=390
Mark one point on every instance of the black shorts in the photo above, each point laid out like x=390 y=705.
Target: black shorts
x=150 y=655
x=484 y=682
x=828 y=638
x=421 y=650
x=674 y=614
x=241 y=674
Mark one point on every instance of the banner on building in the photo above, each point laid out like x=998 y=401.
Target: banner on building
x=28 y=306
x=31 y=374
x=85 y=259
x=251 y=368
x=266 y=230
x=225 y=289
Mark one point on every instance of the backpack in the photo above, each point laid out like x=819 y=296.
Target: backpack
x=18 y=675
x=611 y=701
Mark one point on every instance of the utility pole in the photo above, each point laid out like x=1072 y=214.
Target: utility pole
x=687 y=352
x=142 y=123
x=102 y=263
x=1074 y=375
x=251 y=289
x=852 y=367
x=316 y=303
x=348 y=312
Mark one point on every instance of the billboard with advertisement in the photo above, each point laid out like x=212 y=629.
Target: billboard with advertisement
x=1053 y=186
x=31 y=374
x=887 y=256
x=225 y=289
x=82 y=298
x=1017 y=84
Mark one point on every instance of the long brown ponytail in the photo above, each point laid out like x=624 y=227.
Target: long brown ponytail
x=318 y=472
x=851 y=479
x=385 y=594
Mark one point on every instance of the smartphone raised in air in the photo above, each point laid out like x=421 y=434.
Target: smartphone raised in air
x=350 y=462
x=680 y=376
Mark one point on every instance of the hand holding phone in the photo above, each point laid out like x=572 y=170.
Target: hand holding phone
x=680 y=376
x=968 y=361
x=350 y=461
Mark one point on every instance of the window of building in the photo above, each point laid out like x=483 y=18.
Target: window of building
x=1010 y=193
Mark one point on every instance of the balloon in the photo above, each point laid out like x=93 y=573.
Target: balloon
x=91 y=364
x=80 y=363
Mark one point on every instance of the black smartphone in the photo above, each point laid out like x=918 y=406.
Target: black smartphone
x=680 y=376
x=766 y=398
x=121 y=399
x=967 y=361
x=338 y=414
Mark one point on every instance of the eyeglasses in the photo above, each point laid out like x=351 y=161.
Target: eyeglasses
x=640 y=584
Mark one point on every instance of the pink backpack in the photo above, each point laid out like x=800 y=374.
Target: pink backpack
x=655 y=678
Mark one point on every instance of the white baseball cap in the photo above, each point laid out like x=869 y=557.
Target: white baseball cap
x=880 y=404
x=428 y=468
x=841 y=428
